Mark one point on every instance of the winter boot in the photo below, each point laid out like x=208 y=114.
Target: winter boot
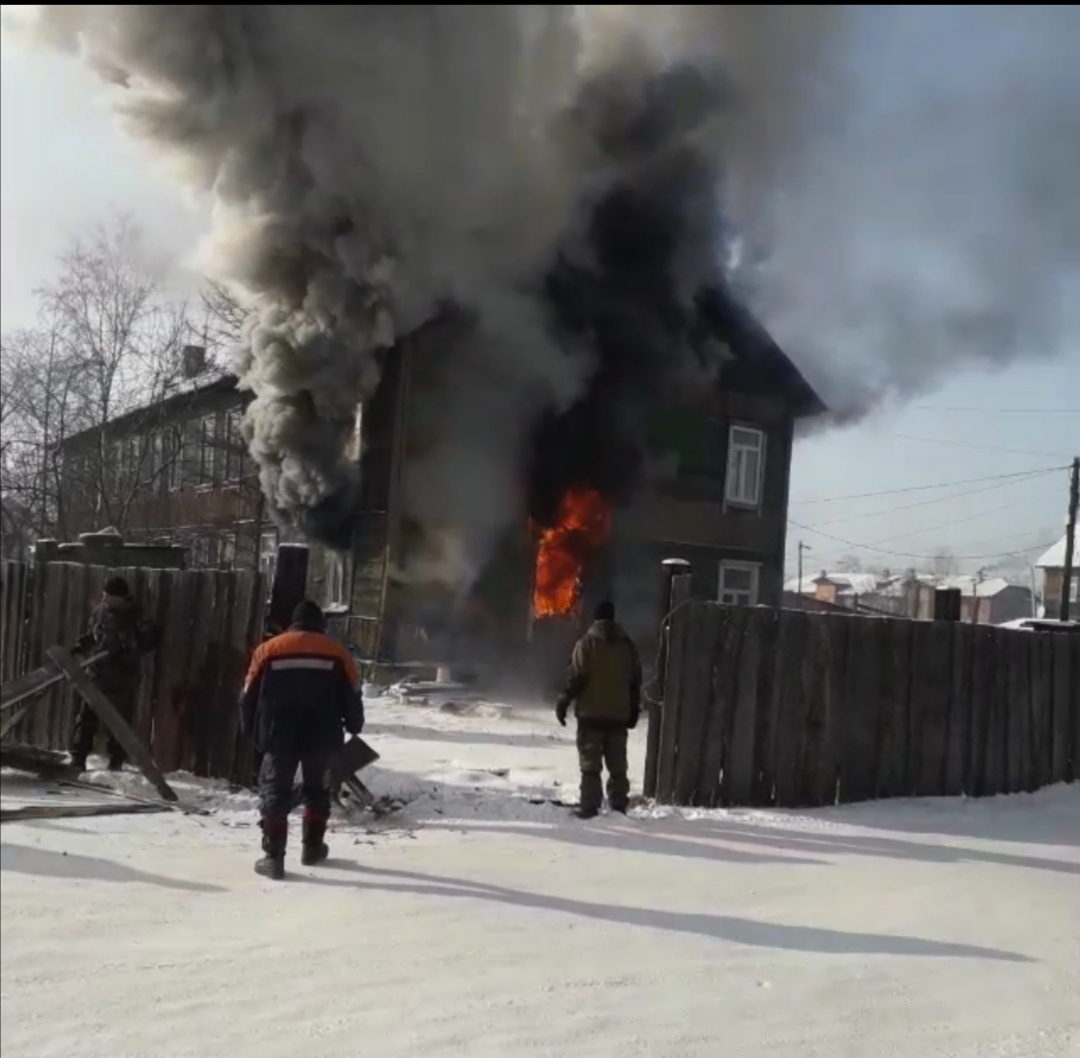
x=586 y=813
x=78 y=762
x=314 y=850
x=275 y=835
x=271 y=867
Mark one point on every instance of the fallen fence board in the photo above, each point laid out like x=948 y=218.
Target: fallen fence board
x=27 y=812
x=119 y=727
x=38 y=682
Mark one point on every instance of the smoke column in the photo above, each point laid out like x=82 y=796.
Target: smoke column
x=894 y=189
x=930 y=218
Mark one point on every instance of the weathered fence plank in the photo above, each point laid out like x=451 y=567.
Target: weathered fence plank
x=1064 y=692
x=894 y=688
x=957 y=757
x=1018 y=711
x=696 y=699
x=764 y=761
x=1072 y=703
x=739 y=675
x=1041 y=714
x=929 y=707
x=788 y=711
x=817 y=764
x=728 y=630
x=858 y=717
x=678 y=627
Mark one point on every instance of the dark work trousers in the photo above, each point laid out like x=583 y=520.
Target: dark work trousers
x=599 y=745
x=123 y=695
x=276 y=775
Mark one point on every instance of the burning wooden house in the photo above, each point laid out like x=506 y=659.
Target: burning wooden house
x=712 y=489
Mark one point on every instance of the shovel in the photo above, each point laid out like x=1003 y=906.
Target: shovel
x=353 y=756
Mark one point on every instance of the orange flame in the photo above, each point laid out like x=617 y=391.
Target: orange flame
x=583 y=522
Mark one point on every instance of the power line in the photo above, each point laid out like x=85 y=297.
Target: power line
x=945 y=525
x=999 y=411
x=881 y=512
x=926 y=488
x=979 y=448
x=909 y=554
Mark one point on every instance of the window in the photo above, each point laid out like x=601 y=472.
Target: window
x=268 y=542
x=227 y=553
x=233 y=446
x=191 y=452
x=738 y=583
x=208 y=450
x=174 y=457
x=746 y=462
x=335 y=579
x=1074 y=588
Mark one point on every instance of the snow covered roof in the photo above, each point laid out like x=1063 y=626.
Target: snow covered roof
x=968 y=585
x=847 y=583
x=1053 y=558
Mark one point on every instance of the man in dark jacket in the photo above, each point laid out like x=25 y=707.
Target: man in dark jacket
x=116 y=626
x=302 y=690
x=604 y=683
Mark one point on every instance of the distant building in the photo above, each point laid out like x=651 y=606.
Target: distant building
x=990 y=600
x=1052 y=564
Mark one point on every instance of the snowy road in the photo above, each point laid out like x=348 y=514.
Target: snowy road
x=491 y=927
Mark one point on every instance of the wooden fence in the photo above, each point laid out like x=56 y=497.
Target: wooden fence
x=767 y=707
x=209 y=623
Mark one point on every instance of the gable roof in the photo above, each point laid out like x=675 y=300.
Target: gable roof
x=1053 y=557
x=759 y=364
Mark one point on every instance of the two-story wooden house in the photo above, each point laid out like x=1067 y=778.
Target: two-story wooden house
x=716 y=494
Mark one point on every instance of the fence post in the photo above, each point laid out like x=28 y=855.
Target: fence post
x=670 y=706
x=672 y=568
x=289 y=587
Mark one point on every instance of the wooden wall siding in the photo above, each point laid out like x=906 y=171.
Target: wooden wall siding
x=766 y=707
x=210 y=621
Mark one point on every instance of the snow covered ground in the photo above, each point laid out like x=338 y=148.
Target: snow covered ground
x=475 y=923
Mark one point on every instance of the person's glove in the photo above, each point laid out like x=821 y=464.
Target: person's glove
x=561 y=709
x=635 y=715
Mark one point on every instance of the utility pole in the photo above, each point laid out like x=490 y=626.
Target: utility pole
x=1070 y=539
x=802 y=547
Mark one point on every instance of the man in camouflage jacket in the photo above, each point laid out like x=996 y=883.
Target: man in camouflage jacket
x=117 y=627
x=604 y=684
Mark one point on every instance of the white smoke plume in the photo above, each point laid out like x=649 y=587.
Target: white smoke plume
x=903 y=180
x=930 y=220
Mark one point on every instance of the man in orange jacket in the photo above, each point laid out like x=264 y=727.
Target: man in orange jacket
x=302 y=691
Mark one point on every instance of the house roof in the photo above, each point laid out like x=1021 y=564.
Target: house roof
x=984 y=589
x=1053 y=557
x=187 y=391
x=758 y=361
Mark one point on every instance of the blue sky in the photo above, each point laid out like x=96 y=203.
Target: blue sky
x=63 y=167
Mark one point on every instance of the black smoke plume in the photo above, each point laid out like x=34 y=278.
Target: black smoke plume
x=571 y=178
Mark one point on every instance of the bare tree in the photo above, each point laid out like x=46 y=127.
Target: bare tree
x=106 y=353
x=849 y=564
x=224 y=316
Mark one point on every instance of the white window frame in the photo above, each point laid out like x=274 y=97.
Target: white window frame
x=208 y=450
x=736 y=491
x=335 y=579
x=754 y=569
x=1074 y=588
x=233 y=447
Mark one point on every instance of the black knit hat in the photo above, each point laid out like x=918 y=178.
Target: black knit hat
x=605 y=611
x=309 y=616
x=117 y=586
